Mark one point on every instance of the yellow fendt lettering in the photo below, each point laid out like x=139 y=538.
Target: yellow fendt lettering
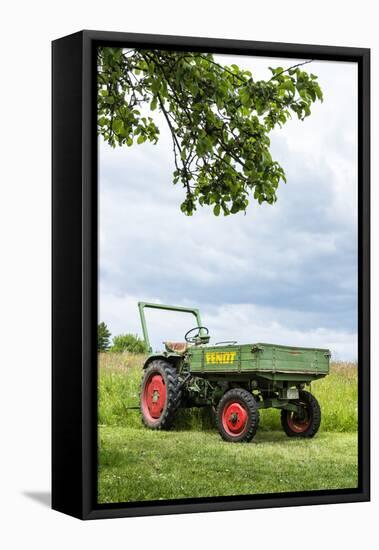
x=220 y=358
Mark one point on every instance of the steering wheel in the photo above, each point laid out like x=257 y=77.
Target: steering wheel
x=193 y=339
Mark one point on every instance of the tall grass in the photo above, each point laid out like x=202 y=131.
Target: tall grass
x=119 y=386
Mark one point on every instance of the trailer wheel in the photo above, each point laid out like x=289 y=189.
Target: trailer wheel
x=160 y=395
x=237 y=416
x=306 y=424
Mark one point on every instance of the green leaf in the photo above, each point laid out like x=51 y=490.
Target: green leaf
x=245 y=98
x=216 y=210
x=288 y=85
x=117 y=125
x=319 y=93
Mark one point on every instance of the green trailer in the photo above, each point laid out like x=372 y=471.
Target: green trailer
x=236 y=380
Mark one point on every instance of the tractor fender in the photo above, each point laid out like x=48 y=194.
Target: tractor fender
x=172 y=358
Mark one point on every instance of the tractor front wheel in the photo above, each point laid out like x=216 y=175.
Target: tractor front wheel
x=305 y=423
x=160 y=395
x=237 y=416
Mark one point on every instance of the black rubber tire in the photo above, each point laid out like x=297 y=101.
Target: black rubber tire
x=173 y=394
x=246 y=399
x=314 y=415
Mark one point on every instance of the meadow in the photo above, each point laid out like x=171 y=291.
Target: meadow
x=191 y=460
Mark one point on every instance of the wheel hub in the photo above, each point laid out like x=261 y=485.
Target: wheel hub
x=233 y=418
x=155 y=396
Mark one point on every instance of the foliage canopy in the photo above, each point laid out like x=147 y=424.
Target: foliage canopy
x=128 y=342
x=219 y=117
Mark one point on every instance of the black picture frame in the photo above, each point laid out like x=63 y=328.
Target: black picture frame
x=74 y=273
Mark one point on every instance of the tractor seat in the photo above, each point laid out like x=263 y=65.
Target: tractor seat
x=176 y=347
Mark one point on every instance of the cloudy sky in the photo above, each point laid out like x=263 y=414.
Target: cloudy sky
x=285 y=274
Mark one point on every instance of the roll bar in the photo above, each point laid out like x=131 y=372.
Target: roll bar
x=143 y=305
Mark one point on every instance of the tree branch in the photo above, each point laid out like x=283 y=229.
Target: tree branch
x=175 y=139
x=289 y=68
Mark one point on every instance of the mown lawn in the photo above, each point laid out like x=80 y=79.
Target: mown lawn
x=192 y=461
x=147 y=465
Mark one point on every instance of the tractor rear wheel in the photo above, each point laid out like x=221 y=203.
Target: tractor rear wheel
x=160 y=395
x=237 y=416
x=305 y=424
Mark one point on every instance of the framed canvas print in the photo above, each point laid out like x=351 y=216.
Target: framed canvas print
x=210 y=274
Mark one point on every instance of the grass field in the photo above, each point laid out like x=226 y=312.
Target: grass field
x=192 y=461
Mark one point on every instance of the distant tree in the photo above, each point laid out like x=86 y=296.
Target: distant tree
x=128 y=342
x=219 y=118
x=103 y=337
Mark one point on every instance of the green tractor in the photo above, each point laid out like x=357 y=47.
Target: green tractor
x=237 y=380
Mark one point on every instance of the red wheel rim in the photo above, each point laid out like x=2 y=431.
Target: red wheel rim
x=234 y=418
x=298 y=424
x=154 y=396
